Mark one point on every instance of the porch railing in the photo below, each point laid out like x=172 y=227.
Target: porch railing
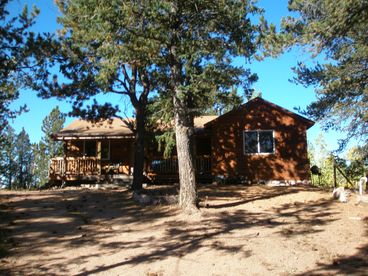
x=74 y=166
x=170 y=165
x=85 y=166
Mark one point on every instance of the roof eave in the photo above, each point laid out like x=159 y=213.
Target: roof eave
x=60 y=137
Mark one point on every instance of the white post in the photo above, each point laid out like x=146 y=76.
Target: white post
x=362 y=181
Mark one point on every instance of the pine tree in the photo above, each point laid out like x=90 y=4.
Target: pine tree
x=47 y=148
x=199 y=41
x=102 y=50
x=336 y=30
x=8 y=157
x=24 y=161
x=183 y=50
x=22 y=58
x=52 y=124
x=41 y=162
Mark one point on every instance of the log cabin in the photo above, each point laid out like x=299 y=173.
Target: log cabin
x=258 y=142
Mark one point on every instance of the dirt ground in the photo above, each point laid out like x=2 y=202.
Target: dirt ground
x=241 y=230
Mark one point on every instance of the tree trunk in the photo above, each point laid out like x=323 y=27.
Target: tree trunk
x=139 y=149
x=184 y=133
x=10 y=184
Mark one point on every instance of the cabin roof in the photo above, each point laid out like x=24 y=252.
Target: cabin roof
x=112 y=128
x=118 y=128
x=260 y=100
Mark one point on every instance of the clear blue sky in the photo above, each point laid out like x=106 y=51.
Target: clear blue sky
x=274 y=75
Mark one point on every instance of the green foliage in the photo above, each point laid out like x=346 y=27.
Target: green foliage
x=16 y=160
x=22 y=58
x=161 y=113
x=52 y=124
x=198 y=43
x=356 y=157
x=100 y=50
x=41 y=161
x=160 y=123
x=107 y=47
x=225 y=102
x=8 y=154
x=352 y=167
x=338 y=31
x=24 y=162
x=24 y=165
x=112 y=46
x=320 y=156
x=47 y=148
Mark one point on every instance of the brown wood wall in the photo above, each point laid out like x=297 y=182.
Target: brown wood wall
x=290 y=160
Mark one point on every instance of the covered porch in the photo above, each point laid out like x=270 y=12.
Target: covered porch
x=105 y=152
x=112 y=160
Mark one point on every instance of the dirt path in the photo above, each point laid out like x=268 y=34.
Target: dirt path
x=241 y=231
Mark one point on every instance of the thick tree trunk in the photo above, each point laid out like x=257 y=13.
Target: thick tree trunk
x=184 y=133
x=139 y=150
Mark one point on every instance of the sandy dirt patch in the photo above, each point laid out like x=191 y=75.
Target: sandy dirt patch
x=241 y=230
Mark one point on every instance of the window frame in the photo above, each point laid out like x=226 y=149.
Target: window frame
x=258 y=143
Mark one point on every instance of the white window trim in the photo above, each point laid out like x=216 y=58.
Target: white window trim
x=108 y=154
x=258 y=144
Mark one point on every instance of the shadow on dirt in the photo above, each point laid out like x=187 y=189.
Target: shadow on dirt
x=87 y=218
x=345 y=265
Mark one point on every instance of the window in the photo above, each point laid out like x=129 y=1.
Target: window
x=105 y=149
x=90 y=148
x=259 y=141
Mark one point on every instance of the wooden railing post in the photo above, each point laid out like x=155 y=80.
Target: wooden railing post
x=99 y=154
x=64 y=168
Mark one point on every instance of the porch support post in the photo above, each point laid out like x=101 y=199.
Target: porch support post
x=99 y=157
x=64 y=168
x=64 y=157
x=131 y=160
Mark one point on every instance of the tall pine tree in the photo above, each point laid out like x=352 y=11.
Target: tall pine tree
x=8 y=163
x=24 y=161
x=22 y=58
x=182 y=49
x=102 y=50
x=47 y=148
x=338 y=31
x=199 y=41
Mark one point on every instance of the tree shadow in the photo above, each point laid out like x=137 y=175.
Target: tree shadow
x=236 y=195
x=110 y=222
x=69 y=219
x=356 y=264
x=182 y=237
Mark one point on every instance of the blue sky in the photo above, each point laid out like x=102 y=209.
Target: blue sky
x=274 y=75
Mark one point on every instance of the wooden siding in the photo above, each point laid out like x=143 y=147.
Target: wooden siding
x=219 y=149
x=290 y=160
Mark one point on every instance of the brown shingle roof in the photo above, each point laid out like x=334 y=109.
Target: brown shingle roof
x=84 y=129
x=114 y=128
